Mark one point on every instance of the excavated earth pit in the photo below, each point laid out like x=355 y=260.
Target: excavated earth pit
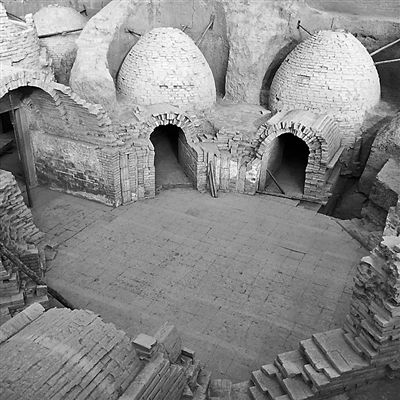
x=242 y=277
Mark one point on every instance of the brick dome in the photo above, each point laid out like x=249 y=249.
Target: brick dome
x=62 y=48
x=165 y=66
x=330 y=72
x=58 y=19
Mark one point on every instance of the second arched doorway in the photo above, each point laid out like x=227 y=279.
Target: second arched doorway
x=284 y=166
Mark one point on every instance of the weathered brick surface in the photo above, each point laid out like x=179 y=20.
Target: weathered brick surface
x=17 y=229
x=165 y=66
x=67 y=354
x=322 y=136
x=19 y=43
x=73 y=141
x=330 y=72
x=62 y=47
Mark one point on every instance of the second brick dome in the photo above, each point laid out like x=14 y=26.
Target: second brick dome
x=330 y=72
x=165 y=66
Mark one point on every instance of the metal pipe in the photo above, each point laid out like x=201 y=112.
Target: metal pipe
x=59 y=33
x=209 y=26
x=384 y=47
x=387 y=61
x=302 y=27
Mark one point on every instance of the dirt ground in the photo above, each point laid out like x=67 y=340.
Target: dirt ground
x=242 y=277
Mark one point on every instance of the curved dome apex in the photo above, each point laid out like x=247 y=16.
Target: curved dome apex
x=57 y=19
x=165 y=66
x=330 y=72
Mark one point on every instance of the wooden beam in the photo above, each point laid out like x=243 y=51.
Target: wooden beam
x=276 y=182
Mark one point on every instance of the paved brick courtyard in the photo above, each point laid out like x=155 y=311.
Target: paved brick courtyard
x=243 y=278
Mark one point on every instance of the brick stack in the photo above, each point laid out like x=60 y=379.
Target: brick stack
x=75 y=355
x=17 y=230
x=158 y=380
x=68 y=354
x=365 y=350
x=324 y=366
x=20 y=235
x=171 y=370
x=165 y=66
x=330 y=72
x=16 y=294
x=373 y=324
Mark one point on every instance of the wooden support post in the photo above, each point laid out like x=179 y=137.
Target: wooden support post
x=211 y=180
x=276 y=182
x=32 y=274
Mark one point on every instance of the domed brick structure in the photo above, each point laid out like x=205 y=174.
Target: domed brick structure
x=19 y=45
x=165 y=66
x=330 y=72
x=58 y=29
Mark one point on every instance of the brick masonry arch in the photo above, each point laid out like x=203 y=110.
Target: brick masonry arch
x=322 y=137
x=74 y=112
x=191 y=154
x=180 y=120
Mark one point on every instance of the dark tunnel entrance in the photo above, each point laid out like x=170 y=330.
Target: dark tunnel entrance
x=169 y=142
x=287 y=161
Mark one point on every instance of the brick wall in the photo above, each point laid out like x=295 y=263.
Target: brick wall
x=19 y=44
x=330 y=72
x=165 y=66
x=17 y=229
x=74 y=145
x=187 y=158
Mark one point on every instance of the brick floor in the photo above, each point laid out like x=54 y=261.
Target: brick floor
x=242 y=277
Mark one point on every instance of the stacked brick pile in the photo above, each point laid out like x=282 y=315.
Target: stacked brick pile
x=171 y=370
x=17 y=230
x=20 y=235
x=366 y=349
x=374 y=320
x=330 y=72
x=16 y=294
x=165 y=66
x=75 y=355
x=66 y=354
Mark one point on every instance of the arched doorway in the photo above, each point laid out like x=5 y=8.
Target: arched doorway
x=284 y=167
x=16 y=155
x=170 y=147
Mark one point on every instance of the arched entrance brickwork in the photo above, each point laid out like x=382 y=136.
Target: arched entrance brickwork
x=137 y=166
x=319 y=132
x=73 y=142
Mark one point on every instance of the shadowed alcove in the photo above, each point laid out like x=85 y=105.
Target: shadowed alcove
x=287 y=162
x=168 y=141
